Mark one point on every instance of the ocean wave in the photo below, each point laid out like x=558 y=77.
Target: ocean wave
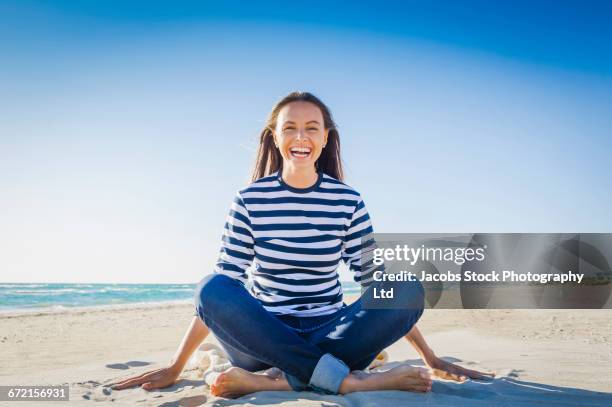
x=55 y=291
x=20 y=285
x=172 y=290
x=58 y=291
x=60 y=309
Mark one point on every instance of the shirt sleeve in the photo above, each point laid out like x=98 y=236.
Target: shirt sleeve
x=359 y=246
x=236 y=253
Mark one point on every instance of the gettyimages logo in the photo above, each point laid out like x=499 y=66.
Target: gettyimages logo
x=510 y=270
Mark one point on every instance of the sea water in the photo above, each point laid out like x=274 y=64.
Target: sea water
x=60 y=296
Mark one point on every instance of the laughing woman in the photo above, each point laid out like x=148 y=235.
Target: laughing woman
x=296 y=221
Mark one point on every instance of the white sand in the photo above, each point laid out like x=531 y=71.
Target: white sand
x=558 y=357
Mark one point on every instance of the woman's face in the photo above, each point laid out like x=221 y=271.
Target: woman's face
x=300 y=134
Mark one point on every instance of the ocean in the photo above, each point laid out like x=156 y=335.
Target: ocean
x=35 y=297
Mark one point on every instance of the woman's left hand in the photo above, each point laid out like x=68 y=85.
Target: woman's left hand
x=449 y=371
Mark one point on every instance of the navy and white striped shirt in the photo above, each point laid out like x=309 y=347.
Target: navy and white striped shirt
x=296 y=238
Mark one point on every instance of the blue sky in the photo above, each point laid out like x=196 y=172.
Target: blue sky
x=126 y=128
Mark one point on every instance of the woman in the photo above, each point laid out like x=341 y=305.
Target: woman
x=296 y=221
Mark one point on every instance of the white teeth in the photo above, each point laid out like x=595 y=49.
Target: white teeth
x=300 y=150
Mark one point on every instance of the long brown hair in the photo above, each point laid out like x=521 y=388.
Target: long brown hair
x=269 y=159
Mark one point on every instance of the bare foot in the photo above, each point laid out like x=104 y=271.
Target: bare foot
x=407 y=378
x=236 y=382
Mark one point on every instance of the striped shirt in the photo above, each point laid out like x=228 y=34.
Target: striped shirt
x=296 y=239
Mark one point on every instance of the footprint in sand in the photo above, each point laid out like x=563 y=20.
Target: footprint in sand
x=98 y=394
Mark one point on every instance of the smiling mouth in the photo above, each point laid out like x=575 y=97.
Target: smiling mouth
x=300 y=152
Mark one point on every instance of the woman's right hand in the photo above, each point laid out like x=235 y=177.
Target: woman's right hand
x=154 y=379
x=167 y=376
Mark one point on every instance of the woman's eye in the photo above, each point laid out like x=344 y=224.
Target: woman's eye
x=312 y=129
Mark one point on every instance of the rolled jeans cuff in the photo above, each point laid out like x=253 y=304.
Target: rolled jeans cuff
x=326 y=378
x=329 y=374
x=295 y=383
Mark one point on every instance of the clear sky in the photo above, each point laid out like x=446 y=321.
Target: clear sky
x=127 y=127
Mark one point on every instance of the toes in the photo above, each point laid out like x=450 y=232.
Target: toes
x=220 y=379
x=425 y=380
x=216 y=388
x=424 y=387
x=424 y=376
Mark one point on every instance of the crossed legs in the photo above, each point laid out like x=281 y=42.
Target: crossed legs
x=321 y=360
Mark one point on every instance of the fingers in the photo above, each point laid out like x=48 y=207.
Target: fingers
x=156 y=384
x=449 y=375
x=463 y=374
x=139 y=376
x=476 y=374
x=127 y=384
x=149 y=386
x=457 y=377
x=134 y=381
x=449 y=371
x=460 y=373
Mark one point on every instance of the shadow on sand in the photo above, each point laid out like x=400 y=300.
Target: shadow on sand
x=500 y=391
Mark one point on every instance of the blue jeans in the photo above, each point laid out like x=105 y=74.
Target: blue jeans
x=314 y=353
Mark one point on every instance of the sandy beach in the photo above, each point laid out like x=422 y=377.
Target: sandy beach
x=553 y=356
